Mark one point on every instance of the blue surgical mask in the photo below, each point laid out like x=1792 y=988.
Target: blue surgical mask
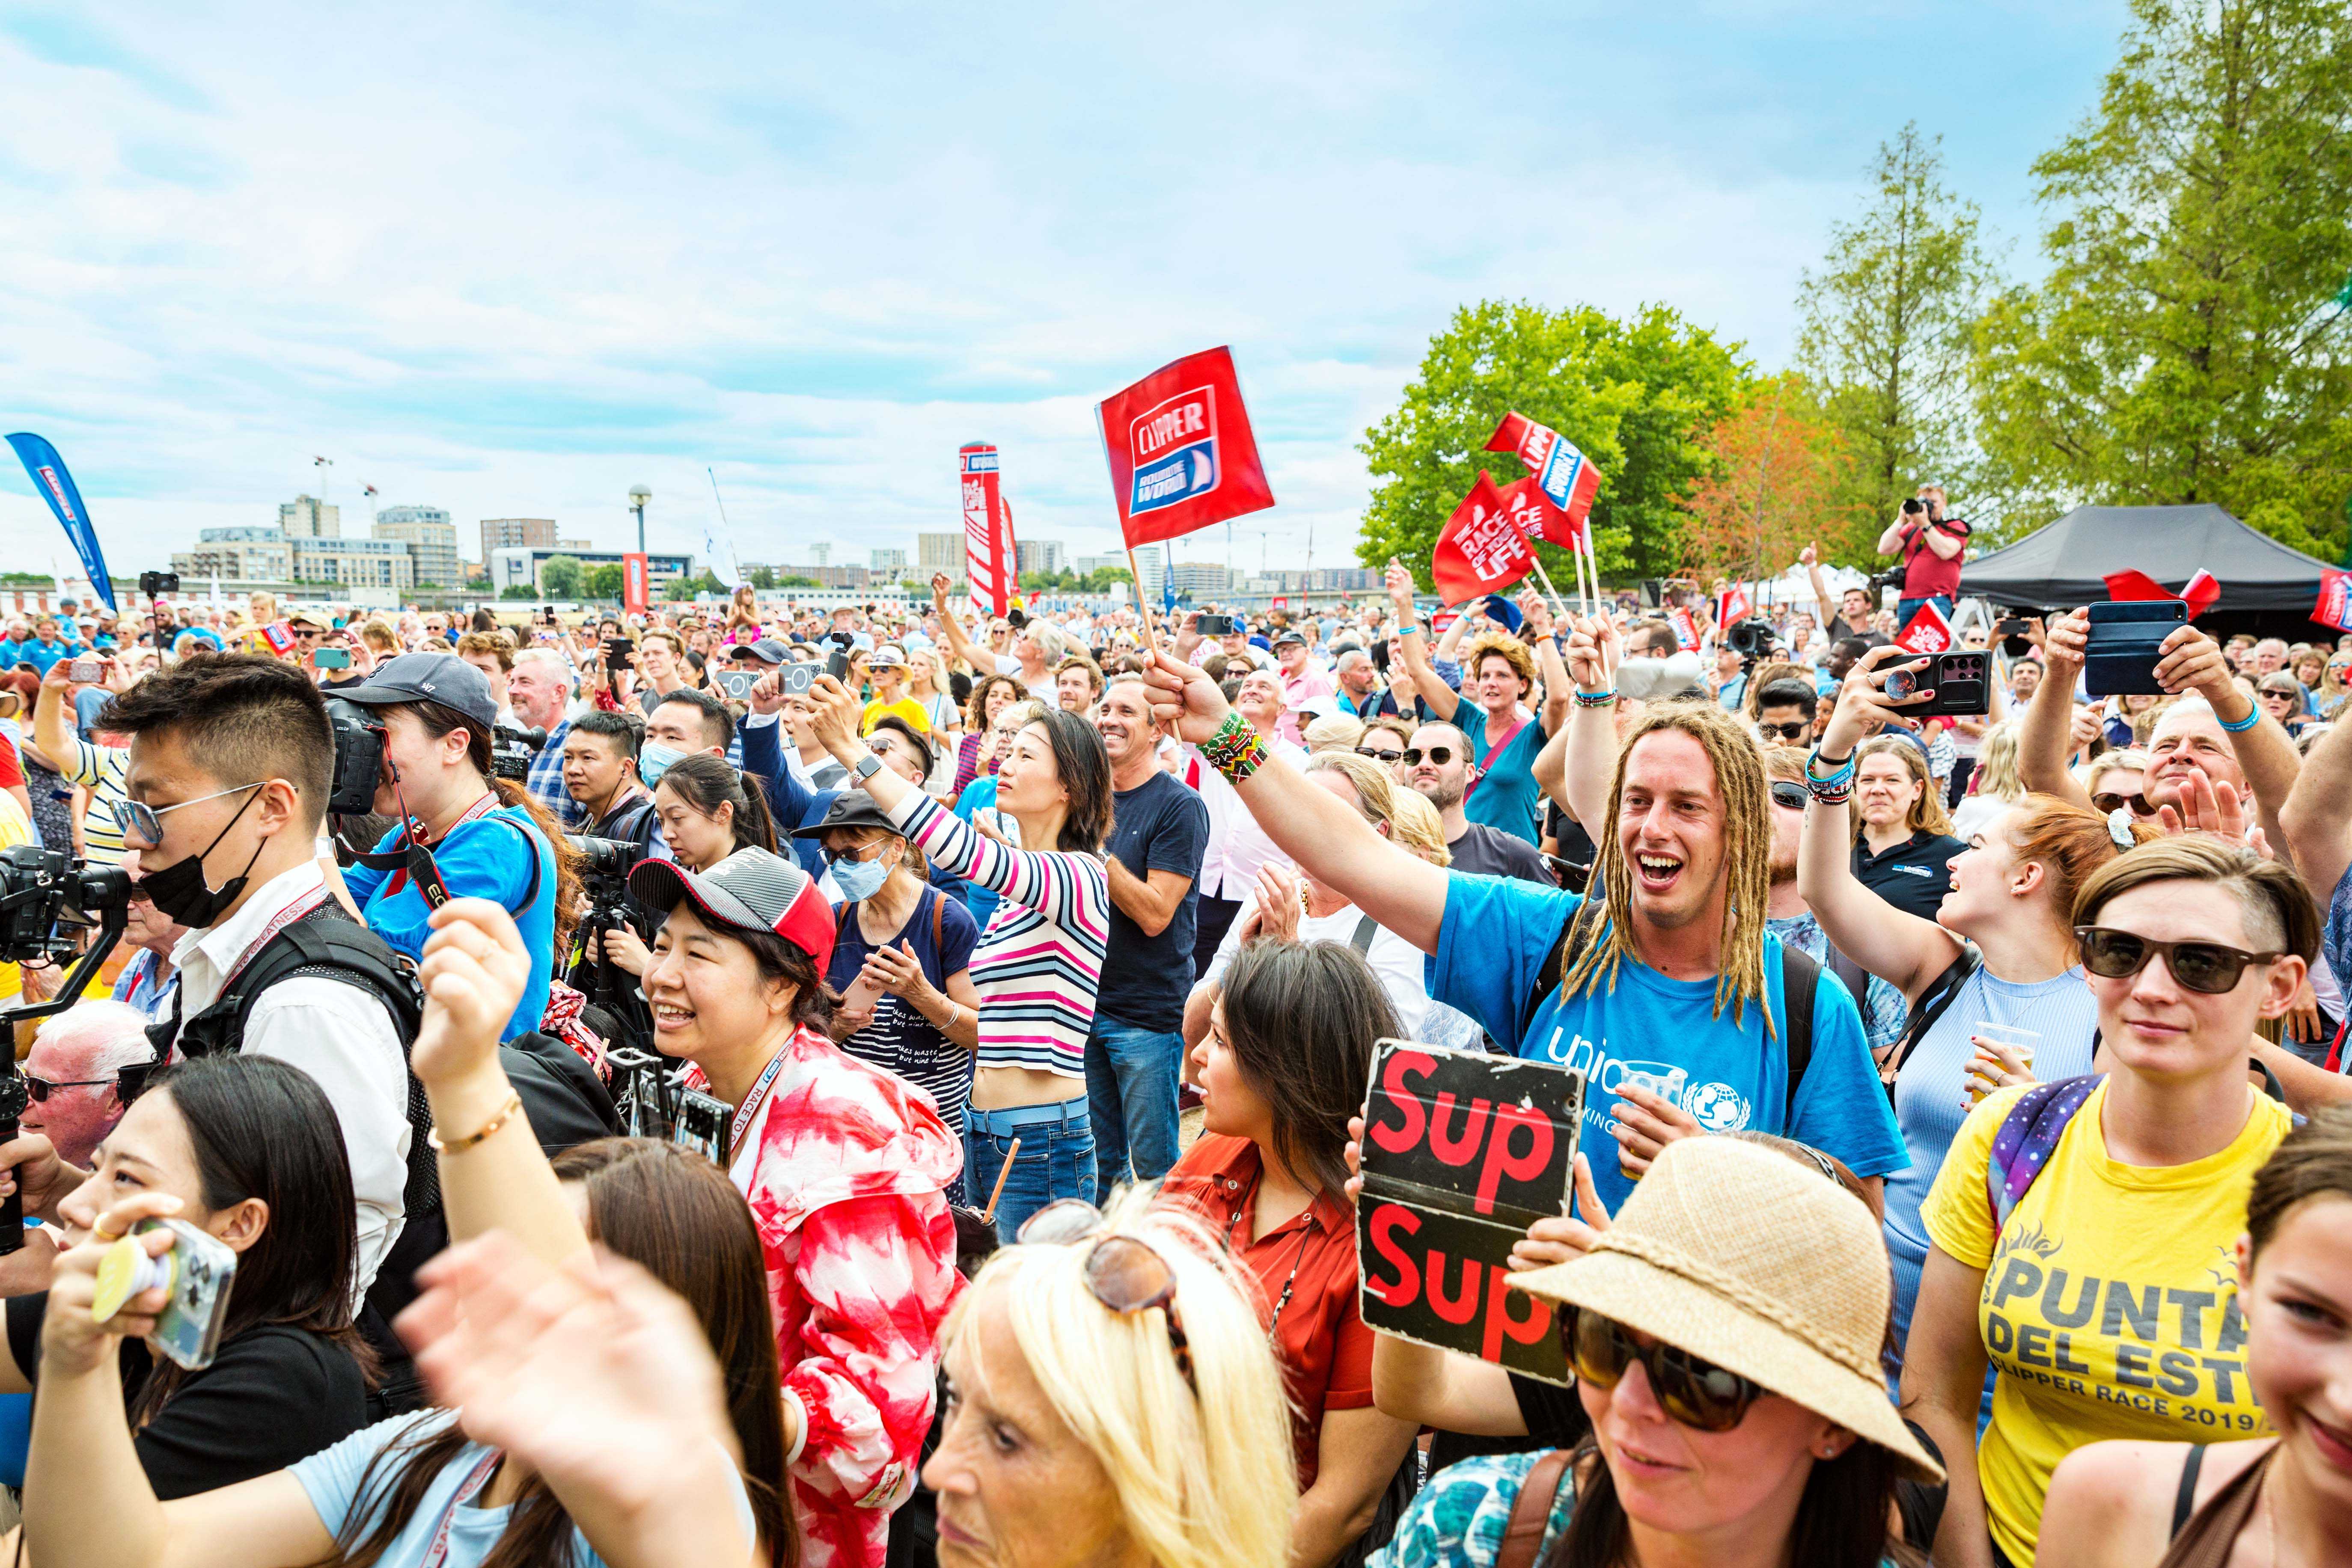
x=653 y=759
x=859 y=879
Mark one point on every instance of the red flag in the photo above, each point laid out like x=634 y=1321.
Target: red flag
x=2201 y=592
x=635 y=590
x=1479 y=550
x=1686 y=629
x=1926 y=631
x=2335 y=607
x=1560 y=470
x=1181 y=452
x=1733 y=606
x=1532 y=511
x=989 y=558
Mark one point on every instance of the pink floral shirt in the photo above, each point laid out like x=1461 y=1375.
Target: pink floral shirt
x=844 y=1171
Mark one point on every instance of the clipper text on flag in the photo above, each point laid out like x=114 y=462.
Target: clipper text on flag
x=1174 y=449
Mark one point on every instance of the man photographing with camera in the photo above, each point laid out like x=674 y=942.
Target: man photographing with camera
x=1932 y=546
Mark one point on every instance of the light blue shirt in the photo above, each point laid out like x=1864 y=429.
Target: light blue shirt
x=330 y=1479
x=1661 y=1033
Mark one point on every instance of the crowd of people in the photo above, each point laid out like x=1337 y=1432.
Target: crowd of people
x=883 y=1085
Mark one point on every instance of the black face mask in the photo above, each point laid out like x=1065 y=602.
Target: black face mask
x=179 y=890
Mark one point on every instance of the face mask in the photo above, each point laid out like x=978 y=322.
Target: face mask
x=859 y=879
x=178 y=890
x=653 y=759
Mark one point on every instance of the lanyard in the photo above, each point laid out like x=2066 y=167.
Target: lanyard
x=476 y=1480
x=749 y=1112
x=414 y=831
x=278 y=922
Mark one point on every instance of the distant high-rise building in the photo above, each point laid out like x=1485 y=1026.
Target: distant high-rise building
x=939 y=552
x=308 y=517
x=431 y=539
x=890 y=563
x=504 y=532
x=1201 y=577
x=820 y=553
x=1147 y=561
x=1041 y=556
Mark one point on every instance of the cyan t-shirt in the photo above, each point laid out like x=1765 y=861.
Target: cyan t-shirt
x=1506 y=796
x=330 y=1479
x=1661 y=1033
x=481 y=859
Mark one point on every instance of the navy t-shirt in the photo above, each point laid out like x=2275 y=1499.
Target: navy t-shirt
x=1662 y=1034
x=1157 y=825
x=899 y=1040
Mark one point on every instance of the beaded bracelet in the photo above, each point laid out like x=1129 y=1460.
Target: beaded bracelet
x=2254 y=717
x=1596 y=699
x=1235 y=750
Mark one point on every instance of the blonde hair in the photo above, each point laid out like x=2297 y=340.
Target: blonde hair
x=1418 y=828
x=1376 y=788
x=1996 y=776
x=1334 y=732
x=1505 y=647
x=1747 y=860
x=1203 y=1480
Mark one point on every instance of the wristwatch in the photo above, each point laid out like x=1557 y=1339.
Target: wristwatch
x=866 y=766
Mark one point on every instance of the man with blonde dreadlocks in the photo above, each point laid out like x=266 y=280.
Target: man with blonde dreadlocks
x=1667 y=991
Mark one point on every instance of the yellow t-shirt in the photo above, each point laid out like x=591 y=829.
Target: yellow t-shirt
x=2110 y=1299
x=16 y=828
x=906 y=708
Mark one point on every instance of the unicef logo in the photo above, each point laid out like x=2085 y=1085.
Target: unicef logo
x=1717 y=1107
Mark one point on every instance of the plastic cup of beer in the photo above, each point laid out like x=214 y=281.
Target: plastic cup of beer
x=2019 y=1043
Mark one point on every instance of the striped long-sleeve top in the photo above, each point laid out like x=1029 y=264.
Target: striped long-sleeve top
x=1040 y=961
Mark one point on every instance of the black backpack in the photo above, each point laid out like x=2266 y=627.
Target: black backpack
x=1799 y=974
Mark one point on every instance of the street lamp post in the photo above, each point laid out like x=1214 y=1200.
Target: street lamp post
x=638 y=496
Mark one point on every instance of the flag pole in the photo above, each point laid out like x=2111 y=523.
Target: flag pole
x=1136 y=573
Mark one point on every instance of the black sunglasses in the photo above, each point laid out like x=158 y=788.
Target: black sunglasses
x=1440 y=755
x=2204 y=966
x=2107 y=801
x=1791 y=732
x=1695 y=1393
x=1377 y=755
x=1795 y=797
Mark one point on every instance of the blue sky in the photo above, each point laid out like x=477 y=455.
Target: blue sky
x=513 y=260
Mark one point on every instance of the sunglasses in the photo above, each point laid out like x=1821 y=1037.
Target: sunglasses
x=1792 y=733
x=1387 y=758
x=1795 y=797
x=1440 y=755
x=1695 y=1393
x=2107 y=801
x=1125 y=1273
x=2202 y=966
x=129 y=1083
x=146 y=821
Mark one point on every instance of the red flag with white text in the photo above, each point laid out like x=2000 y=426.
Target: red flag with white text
x=1181 y=452
x=1564 y=475
x=989 y=560
x=1733 y=606
x=2335 y=607
x=1534 y=515
x=1686 y=628
x=1926 y=631
x=1480 y=549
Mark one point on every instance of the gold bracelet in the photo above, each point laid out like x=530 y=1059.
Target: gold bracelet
x=458 y=1146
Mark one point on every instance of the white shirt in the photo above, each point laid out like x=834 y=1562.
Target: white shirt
x=1396 y=962
x=1247 y=847
x=340 y=1033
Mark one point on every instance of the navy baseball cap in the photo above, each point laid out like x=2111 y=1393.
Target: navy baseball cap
x=438 y=678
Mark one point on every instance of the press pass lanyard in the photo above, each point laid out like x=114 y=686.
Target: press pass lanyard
x=476 y=1480
x=749 y=1112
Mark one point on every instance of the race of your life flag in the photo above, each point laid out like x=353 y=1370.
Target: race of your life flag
x=1926 y=631
x=2335 y=607
x=1686 y=628
x=1532 y=513
x=57 y=489
x=1560 y=472
x=1479 y=550
x=1180 y=453
x=990 y=561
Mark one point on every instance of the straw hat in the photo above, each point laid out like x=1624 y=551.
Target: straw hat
x=1746 y=1259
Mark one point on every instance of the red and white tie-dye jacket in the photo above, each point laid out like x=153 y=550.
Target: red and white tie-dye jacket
x=844 y=1173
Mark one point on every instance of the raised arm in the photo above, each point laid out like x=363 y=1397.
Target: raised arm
x=1318 y=831
x=1899 y=947
x=1536 y=622
x=1419 y=678
x=2316 y=821
x=1590 y=764
x=1809 y=558
x=959 y=644
x=2046 y=737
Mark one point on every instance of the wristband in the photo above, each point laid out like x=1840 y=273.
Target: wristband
x=460 y=1145
x=1234 y=750
x=1596 y=699
x=2254 y=717
x=1840 y=770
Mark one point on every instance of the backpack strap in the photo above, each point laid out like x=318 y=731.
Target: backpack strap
x=2029 y=1135
x=1941 y=993
x=1566 y=948
x=1856 y=978
x=1800 y=977
x=1531 y=1510
x=1362 y=939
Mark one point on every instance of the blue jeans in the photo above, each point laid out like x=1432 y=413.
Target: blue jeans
x=1056 y=1158
x=1906 y=608
x=1131 y=1085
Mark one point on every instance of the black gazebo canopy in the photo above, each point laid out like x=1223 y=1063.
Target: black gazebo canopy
x=2064 y=564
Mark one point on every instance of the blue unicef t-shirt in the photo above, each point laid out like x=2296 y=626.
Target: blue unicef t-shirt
x=484 y=858
x=1661 y=1033
x=1506 y=797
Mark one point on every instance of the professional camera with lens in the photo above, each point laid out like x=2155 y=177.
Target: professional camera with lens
x=46 y=895
x=603 y=857
x=511 y=750
x=1751 y=639
x=359 y=758
x=151 y=583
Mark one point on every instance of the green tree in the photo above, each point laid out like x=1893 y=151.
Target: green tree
x=1885 y=332
x=518 y=590
x=2186 y=344
x=1637 y=397
x=562 y=576
x=605 y=581
x=763 y=576
x=794 y=580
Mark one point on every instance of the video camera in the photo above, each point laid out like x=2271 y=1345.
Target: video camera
x=153 y=584
x=359 y=758
x=511 y=750
x=1751 y=639
x=46 y=896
